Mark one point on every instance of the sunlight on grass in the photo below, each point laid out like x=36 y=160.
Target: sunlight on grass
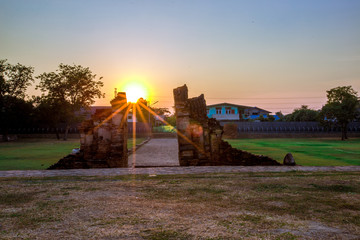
x=33 y=154
x=306 y=151
x=164 y=129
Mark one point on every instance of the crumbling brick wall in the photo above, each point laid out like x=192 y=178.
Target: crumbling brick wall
x=200 y=138
x=103 y=139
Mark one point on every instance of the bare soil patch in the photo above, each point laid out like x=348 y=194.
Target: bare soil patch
x=294 y=205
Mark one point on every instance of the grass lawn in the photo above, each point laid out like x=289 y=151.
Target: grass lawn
x=34 y=154
x=164 y=129
x=292 y=205
x=306 y=151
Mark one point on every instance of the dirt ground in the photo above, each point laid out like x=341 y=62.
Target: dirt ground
x=292 y=205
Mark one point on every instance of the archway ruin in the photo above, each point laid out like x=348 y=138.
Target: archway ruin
x=103 y=139
x=200 y=138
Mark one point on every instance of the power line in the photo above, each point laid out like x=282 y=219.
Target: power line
x=269 y=98
x=263 y=98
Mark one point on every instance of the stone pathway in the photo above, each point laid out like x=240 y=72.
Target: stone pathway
x=171 y=170
x=157 y=152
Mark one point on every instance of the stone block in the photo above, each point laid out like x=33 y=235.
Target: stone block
x=192 y=122
x=103 y=144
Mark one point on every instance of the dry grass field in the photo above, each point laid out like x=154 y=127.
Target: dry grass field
x=294 y=205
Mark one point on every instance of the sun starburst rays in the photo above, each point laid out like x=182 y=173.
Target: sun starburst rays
x=136 y=109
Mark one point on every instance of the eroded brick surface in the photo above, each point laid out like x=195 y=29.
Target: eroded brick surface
x=200 y=138
x=103 y=139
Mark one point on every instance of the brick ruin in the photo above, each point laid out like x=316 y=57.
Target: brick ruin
x=103 y=139
x=200 y=138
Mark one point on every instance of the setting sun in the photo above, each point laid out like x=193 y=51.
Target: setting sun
x=134 y=91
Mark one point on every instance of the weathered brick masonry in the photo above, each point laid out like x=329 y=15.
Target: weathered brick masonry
x=103 y=140
x=200 y=138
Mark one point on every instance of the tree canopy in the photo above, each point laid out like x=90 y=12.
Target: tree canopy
x=14 y=109
x=341 y=108
x=69 y=89
x=14 y=79
x=302 y=114
x=74 y=84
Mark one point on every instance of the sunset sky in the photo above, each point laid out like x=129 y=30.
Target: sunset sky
x=276 y=55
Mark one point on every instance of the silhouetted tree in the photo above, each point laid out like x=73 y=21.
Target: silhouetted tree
x=280 y=115
x=161 y=111
x=143 y=115
x=269 y=118
x=302 y=114
x=341 y=108
x=49 y=113
x=70 y=89
x=14 y=109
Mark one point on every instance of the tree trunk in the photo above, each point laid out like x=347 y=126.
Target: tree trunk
x=343 y=134
x=5 y=134
x=345 y=131
x=57 y=133
x=66 y=132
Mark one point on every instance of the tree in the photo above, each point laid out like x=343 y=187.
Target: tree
x=70 y=89
x=14 y=109
x=171 y=120
x=341 y=108
x=14 y=79
x=161 y=111
x=270 y=118
x=302 y=114
x=48 y=113
x=280 y=115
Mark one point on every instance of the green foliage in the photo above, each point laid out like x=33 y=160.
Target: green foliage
x=171 y=120
x=302 y=114
x=14 y=109
x=341 y=108
x=280 y=115
x=48 y=113
x=142 y=113
x=14 y=79
x=74 y=85
x=68 y=90
x=269 y=118
x=164 y=129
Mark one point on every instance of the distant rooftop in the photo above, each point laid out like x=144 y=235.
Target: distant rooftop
x=235 y=105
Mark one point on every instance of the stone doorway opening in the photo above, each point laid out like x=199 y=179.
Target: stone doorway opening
x=199 y=139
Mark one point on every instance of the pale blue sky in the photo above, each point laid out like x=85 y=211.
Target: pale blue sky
x=273 y=54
